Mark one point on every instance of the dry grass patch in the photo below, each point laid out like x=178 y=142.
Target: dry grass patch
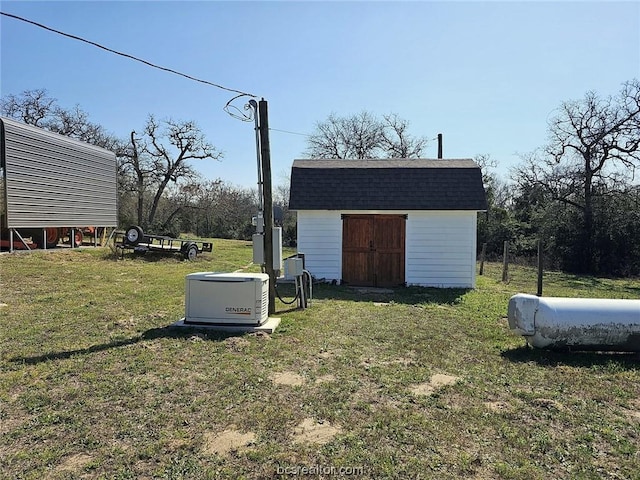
x=548 y=404
x=632 y=413
x=326 y=355
x=237 y=344
x=74 y=463
x=326 y=379
x=498 y=407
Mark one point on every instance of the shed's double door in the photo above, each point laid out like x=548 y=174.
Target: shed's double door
x=373 y=250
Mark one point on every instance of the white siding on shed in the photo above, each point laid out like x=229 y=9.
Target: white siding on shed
x=441 y=249
x=55 y=181
x=320 y=239
x=440 y=246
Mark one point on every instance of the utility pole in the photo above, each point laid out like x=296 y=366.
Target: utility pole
x=265 y=153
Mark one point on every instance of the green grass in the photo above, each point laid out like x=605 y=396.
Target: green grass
x=94 y=385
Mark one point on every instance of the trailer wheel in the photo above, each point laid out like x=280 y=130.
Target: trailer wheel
x=50 y=238
x=133 y=235
x=191 y=251
x=77 y=239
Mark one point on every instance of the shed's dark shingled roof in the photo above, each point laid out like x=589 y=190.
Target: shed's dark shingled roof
x=397 y=184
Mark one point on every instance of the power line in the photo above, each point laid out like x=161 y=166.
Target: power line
x=126 y=55
x=229 y=107
x=290 y=133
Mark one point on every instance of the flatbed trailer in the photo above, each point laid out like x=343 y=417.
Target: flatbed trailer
x=138 y=241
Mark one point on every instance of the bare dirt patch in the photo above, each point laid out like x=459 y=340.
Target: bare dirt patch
x=632 y=413
x=227 y=441
x=326 y=379
x=9 y=424
x=548 y=403
x=125 y=322
x=291 y=379
x=436 y=382
x=236 y=344
x=311 y=431
x=325 y=354
x=405 y=361
x=263 y=335
x=74 y=463
x=176 y=445
x=498 y=406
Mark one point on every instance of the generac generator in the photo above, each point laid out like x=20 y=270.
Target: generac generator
x=227 y=298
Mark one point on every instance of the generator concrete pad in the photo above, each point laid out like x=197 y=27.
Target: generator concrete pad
x=267 y=327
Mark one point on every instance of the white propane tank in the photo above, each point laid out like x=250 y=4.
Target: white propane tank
x=576 y=323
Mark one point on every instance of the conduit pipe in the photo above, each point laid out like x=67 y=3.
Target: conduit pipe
x=576 y=323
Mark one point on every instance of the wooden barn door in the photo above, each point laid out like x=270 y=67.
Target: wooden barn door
x=357 y=245
x=373 y=248
x=388 y=242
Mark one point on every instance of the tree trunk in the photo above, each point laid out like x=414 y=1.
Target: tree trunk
x=135 y=162
x=171 y=217
x=140 y=188
x=156 y=200
x=587 y=247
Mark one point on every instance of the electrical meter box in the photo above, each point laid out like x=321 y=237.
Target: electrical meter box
x=258 y=248
x=226 y=298
x=292 y=267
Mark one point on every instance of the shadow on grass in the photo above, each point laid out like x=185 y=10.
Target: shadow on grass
x=554 y=358
x=403 y=295
x=151 y=334
x=604 y=284
x=151 y=257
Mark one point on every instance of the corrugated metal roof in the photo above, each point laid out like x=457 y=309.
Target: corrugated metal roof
x=396 y=184
x=56 y=181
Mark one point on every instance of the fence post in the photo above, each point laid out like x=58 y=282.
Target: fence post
x=505 y=262
x=482 y=254
x=540 y=268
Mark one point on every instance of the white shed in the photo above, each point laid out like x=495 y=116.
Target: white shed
x=388 y=222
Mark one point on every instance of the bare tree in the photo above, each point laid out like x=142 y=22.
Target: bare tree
x=497 y=189
x=396 y=140
x=32 y=106
x=147 y=163
x=138 y=170
x=161 y=157
x=357 y=136
x=593 y=149
x=36 y=107
x=362 y=136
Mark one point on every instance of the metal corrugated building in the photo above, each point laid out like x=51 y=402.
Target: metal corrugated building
x=54 y=181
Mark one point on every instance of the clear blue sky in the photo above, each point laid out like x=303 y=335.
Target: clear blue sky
x=487 y=75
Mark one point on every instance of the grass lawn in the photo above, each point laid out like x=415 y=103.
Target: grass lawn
x=421 y=383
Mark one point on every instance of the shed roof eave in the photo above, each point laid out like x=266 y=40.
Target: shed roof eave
x=304 y=209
